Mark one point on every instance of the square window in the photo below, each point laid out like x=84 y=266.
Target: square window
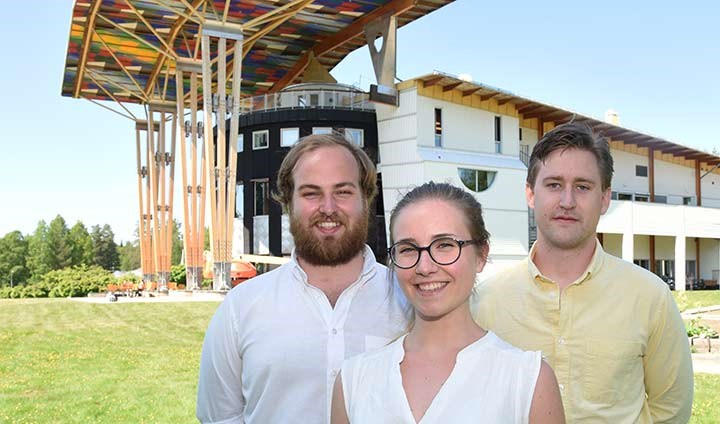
x=625 y=196
x=438 y=127
x=642 y=197
x=322 y=130
x=356 y=136
x=262 y=197
x=261 y=139
x=289 y=136
x=641 y=171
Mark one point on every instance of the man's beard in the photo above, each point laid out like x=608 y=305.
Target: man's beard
x=329 y=251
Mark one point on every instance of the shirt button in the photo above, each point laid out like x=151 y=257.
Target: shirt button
x=562 y=387
x=561 y=341
x=334 y=331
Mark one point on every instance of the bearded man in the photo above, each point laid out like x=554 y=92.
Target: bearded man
x=275 y=345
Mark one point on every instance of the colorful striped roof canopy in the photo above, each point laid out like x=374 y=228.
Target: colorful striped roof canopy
x=127 y=50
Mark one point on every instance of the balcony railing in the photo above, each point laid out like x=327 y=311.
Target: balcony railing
x=303 y=99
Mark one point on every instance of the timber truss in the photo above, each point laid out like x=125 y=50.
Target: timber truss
x=189 y=63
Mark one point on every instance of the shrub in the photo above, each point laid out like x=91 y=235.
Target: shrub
x=178 y=274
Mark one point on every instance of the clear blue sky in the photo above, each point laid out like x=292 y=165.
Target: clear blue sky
x=656 y=62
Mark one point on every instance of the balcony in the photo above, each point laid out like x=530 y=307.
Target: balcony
x=660 y=219
x=302 y=96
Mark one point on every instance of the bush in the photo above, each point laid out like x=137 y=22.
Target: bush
x=178 y=274
x=695 y=329
x=77 y=281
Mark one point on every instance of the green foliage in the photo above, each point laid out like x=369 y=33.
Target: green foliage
x=129 y=254
x=39 y=257
x=77 y=281
x=177 y=244
x=13 y=250
x=178 y=274
x=106 y=252
x=695 y=329
x=81 y=245
x=57 y=241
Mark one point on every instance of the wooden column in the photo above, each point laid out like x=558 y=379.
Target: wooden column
x=191 y=162
x=651 y=190
x=223 y=158
x=698 y=175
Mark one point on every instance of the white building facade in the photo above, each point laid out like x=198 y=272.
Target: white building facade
x=665 y=212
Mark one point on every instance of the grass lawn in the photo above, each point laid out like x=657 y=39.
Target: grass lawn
x=72 y=362
x=696 y=299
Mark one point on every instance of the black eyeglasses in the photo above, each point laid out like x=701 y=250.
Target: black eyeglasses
x=443 y=251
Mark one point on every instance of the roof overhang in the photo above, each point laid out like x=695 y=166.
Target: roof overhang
x=528 y=109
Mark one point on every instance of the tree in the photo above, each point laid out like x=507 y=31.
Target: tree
x=81 y=245
x=129 y=254
x=38 y=258
x=106 y=251
x=177 y=244
x=13 y=251
x=60 y=254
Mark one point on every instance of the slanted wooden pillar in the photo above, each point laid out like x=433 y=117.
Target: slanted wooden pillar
x=145 y=226
x=161 y=172
x=222 y=156
x=193 y=167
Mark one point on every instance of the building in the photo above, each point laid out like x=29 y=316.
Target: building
x=665 y=212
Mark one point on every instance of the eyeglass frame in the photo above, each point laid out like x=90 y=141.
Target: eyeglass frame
x=420 y=249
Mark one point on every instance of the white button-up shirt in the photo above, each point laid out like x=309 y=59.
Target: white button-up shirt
x=275 y=345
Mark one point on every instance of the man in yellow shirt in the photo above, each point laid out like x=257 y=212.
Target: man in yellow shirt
x=610 y=330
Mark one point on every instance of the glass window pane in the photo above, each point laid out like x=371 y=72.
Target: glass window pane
x=289 y=136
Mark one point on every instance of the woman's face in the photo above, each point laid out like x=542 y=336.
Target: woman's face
x=437 y=290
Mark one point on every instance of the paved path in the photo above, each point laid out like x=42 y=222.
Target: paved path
x=195 y=297
x=708 y=363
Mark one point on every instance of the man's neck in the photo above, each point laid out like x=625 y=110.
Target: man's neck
x=563 y=266
x=333 y=280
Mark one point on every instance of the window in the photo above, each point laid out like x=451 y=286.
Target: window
x=520 y=134
x=498 y=135
x=322 y=130
x=356 y=136
x=240 y=143
x=261 y=139
x=660 y=199
x=625 y=196
x=613 y=195
x=239 y=200
x=289 y=136
x=262 y=197
x=438 y=127
x=301 y=101
x=689 y=201
x=690 y=268
x=644 y=263
x=642 y=197
x=476 y=180
x=641 y=171
x=314 y=99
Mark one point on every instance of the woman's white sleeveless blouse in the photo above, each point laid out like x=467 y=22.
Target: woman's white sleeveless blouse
x=492 y=382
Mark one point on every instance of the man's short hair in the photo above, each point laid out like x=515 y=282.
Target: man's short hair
x=573 y=135
x=286 y=183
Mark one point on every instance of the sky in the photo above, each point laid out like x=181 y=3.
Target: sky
x=657 y=63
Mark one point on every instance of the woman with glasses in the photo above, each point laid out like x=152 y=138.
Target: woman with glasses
x=446 y=369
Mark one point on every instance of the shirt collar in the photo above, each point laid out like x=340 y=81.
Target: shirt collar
x=592 y=269
x=367 y=272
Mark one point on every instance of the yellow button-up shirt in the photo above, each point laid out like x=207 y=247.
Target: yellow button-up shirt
x=614 y=337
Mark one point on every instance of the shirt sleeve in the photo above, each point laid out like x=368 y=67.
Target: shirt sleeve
x=668 y=366
x=219 y=397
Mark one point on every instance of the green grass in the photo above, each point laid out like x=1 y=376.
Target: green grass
x=72 y=362
x=696 y=299
x=706 y=406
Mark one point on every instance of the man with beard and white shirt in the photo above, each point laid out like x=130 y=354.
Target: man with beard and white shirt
x=274 y=347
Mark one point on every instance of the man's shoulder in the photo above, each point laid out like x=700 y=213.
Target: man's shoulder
x=256 y=286
x=501 y=279
x=631 y=276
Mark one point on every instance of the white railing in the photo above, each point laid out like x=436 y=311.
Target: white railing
x=326 y=99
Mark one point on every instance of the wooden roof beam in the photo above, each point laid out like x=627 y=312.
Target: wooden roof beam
x=356 y=29
x=529 y=108
x=87 y=36
x=484 y=97
x=504 y=101
x=470 y=92
x=452 y=86
x=539 y=113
